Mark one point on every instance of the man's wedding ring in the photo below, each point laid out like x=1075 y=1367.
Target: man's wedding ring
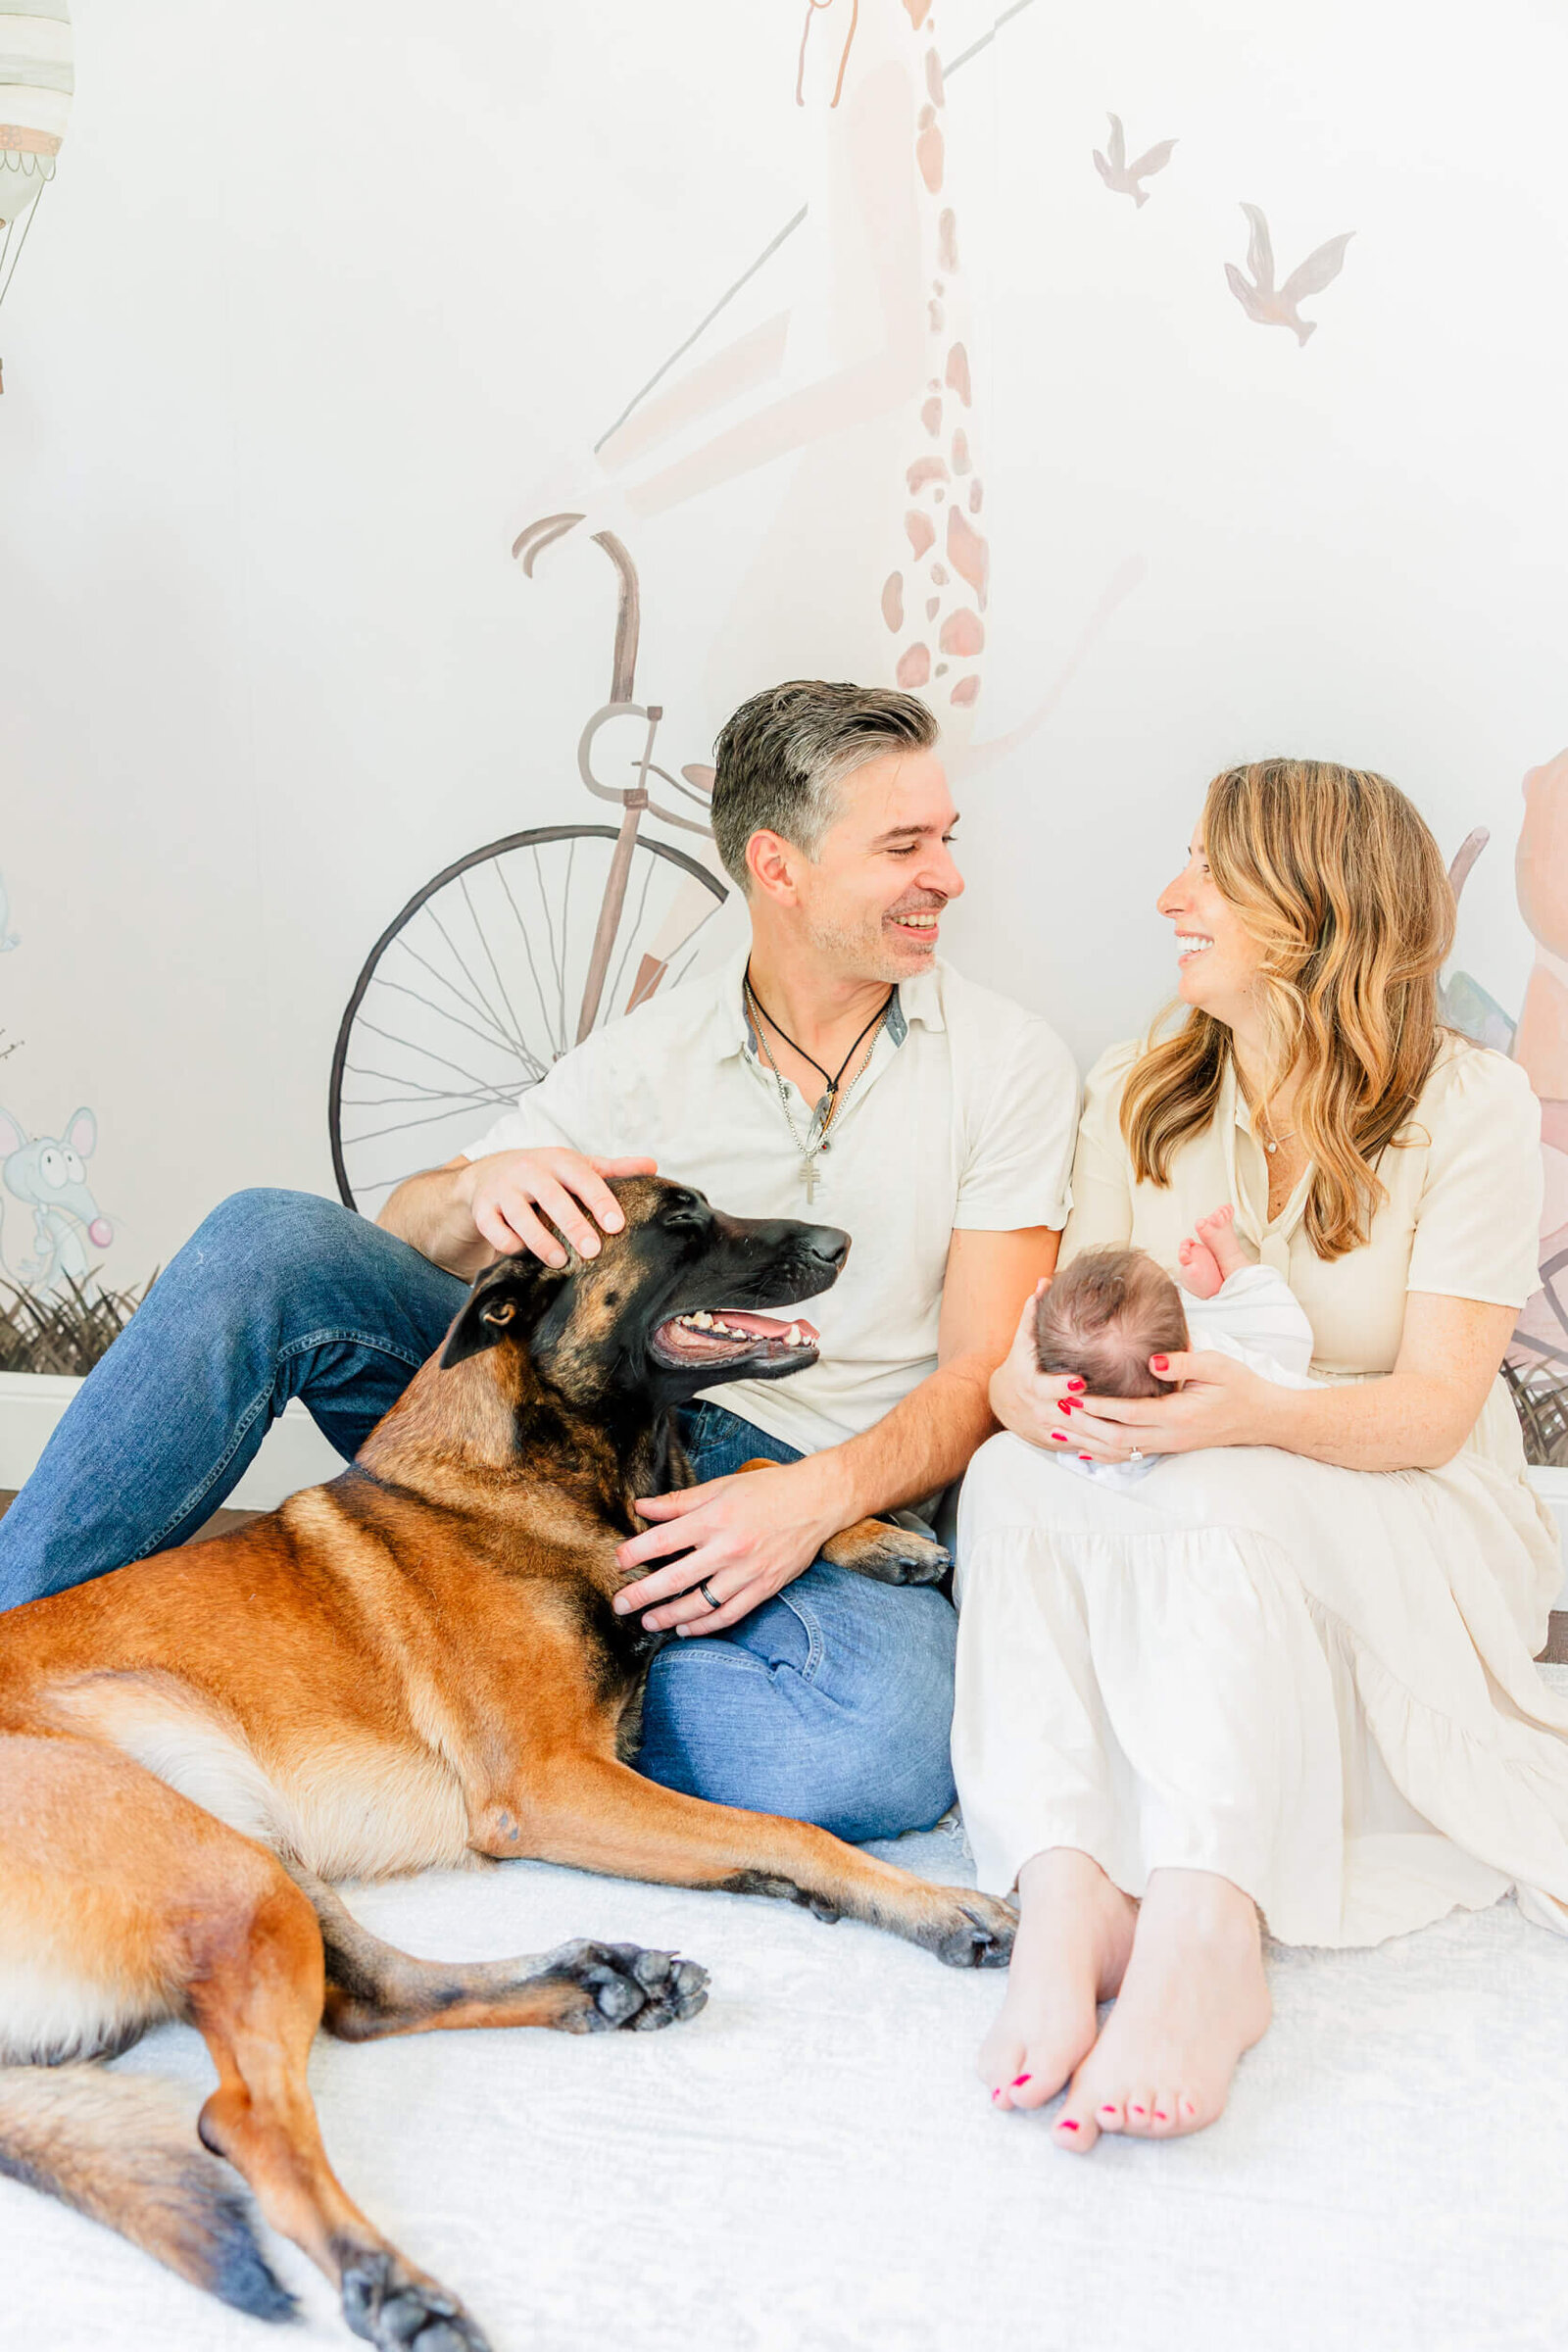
x=1136 y=1455
x=709 y=1595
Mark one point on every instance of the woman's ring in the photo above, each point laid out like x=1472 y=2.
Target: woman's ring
x=709 y=1595
x=1137 y=1454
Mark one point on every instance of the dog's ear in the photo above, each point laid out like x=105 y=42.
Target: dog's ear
x=506 y=1302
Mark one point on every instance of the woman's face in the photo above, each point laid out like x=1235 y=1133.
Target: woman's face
x=1218 y=962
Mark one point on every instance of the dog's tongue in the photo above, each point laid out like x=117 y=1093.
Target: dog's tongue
x=764 y=1327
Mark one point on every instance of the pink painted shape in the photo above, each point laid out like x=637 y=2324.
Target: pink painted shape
x=947 y=241
x=100 y=1233
x=959 y=374
x=922 y=531
x=914 y=668
x=931 y=417
x=968 y=690
x=923 y=471
x=933 y=77
x=964 y=633
x=928 y=154
x=976 y=496
x=933 y=606
x=893 y=601
x=917 y=12
x=961 y=460
x=968 y=555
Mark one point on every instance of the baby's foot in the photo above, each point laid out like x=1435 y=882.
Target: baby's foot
x=1075 y=1931
x=1194 y=1998
x=1213 y=1255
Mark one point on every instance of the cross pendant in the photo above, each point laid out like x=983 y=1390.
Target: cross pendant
x=812 y=1179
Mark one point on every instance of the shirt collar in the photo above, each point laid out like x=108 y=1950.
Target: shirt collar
x=917 y=999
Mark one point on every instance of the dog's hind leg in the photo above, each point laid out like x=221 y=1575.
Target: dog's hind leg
x=594 y=1814
x=373 y=1989
x=159 y=1907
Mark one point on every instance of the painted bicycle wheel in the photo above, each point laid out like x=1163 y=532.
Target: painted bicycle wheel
x=481 y=983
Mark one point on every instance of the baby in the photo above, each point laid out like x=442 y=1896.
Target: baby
x=1107 y=1312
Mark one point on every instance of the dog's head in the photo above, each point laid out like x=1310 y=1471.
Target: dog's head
x=681 y=1300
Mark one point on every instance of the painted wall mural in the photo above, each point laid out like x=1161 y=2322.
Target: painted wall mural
x=36 y=81
x=1538 y=1041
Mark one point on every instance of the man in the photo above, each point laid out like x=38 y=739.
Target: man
x=941 y=1140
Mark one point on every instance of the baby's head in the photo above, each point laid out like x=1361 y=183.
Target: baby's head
x=1104 y=1316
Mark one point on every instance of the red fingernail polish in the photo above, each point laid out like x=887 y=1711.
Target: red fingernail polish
x=1077 y=1387
x=1162 y=1363
x=1018 y=2078
x=1086 y=1457
x=1064 y=2122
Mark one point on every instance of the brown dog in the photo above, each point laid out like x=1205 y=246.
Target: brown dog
x=416 y=1666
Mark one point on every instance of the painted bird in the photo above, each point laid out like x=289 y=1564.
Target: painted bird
x=1122 y=176
x=1270 y=305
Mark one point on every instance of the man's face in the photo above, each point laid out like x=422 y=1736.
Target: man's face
x=872 y=897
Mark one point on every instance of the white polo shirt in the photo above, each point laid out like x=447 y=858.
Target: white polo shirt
x=965 y=1118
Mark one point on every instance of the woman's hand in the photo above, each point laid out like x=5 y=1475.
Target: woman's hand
x=1042 y=1408
x=1220 y=1402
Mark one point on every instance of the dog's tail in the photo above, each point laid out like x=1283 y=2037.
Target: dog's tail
x=122 y=2149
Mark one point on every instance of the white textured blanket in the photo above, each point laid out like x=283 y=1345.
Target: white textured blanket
x=811 y=2162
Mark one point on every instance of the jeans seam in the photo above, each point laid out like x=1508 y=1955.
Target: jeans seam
x=263 y=1398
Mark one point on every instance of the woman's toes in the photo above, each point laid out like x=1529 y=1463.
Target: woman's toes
x=1140 y=2112
x=1076 y=2131
x=1001 y=2059
x=1163 y=2116
x=1110 y=2116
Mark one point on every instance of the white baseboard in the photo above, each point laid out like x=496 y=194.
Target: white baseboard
x=294 y=1454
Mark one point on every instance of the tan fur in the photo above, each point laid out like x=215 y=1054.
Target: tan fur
x=412 y=1666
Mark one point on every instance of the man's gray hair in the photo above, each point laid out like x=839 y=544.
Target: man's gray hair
x=780 y=756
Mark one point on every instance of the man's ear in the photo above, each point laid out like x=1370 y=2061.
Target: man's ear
x=504 y=1302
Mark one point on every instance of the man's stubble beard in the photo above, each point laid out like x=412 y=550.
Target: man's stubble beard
x=860 y=950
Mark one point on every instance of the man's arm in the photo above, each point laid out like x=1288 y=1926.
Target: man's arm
x=470 y=1212
x=753 y=1534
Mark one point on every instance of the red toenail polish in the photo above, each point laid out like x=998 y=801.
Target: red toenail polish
x=1066 y=2124
x=996 y=2094
x=1108 y=2110
x=1161 y=2117
x=1138 y=2111
x=1018 y=2078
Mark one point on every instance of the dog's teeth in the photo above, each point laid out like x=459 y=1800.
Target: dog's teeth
x=792 y=1337
x=704 y=1322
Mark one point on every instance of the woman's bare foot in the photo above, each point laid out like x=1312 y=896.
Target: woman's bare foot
x=1075 y=1931
x=1194 y=1998
x=1213 y=1254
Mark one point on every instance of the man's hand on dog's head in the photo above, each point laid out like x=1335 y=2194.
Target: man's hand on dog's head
x=511 y=1194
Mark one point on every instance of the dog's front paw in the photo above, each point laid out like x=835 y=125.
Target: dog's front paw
x=976 y=1933
x=892 y=1554
x=626 y=1988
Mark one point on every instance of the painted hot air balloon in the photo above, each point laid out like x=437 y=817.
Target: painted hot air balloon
x=36 y=85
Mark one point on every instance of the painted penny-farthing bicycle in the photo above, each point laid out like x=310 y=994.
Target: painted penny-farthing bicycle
x=515 y=952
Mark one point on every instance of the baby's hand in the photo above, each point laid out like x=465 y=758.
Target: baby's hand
x=1212 y=1254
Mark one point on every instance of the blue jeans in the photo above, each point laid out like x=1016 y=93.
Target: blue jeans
x=830 y=1703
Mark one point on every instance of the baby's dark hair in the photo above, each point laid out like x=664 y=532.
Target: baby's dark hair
x=1104 y=1316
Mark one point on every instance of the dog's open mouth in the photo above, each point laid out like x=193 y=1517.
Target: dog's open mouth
x=727 y=1336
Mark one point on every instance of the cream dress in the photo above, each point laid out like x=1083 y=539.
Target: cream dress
x=1316 y=1682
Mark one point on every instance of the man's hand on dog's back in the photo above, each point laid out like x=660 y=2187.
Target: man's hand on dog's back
x=472 y=1211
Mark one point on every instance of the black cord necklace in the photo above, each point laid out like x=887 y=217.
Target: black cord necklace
x=825 y=1108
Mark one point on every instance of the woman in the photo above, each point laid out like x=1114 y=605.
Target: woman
x=1290 y=1671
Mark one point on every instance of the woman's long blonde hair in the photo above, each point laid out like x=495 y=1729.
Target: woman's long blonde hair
x=1338 y=878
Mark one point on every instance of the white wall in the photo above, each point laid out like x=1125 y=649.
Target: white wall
x=326 y=304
